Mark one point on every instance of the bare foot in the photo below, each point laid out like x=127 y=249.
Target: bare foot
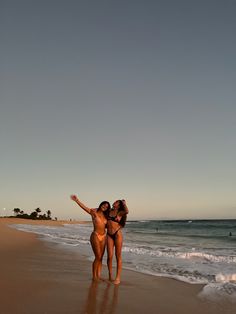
x=116 y=281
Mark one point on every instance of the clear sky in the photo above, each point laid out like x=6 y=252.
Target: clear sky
x=119 y=99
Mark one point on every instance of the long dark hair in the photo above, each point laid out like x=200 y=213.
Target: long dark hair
x=109 y=207
x=124 y=216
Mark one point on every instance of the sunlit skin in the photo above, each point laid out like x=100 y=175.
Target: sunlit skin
x=98 y=236
x=114 y=228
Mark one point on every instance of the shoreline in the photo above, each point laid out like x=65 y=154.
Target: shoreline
x=51 y=222
x=43 y=278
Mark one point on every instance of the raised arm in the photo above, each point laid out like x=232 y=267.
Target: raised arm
x=84 y=207
x=122 y=212
x=125 y=207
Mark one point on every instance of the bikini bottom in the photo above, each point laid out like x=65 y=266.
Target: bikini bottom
x=113 y=235
x=100 y=237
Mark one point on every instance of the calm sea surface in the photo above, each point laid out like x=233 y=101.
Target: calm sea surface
x=198 y=251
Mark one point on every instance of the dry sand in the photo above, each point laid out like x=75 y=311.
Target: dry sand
x=38 y=277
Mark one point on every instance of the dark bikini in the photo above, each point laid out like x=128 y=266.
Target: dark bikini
x=113 y=218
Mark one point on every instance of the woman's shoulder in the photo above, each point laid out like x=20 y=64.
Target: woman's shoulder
x=93 y=211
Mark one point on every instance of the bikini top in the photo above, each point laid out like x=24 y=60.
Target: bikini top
x=113 y=218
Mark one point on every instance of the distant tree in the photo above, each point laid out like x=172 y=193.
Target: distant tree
x=22 y=212
x=16 y=211
x=25 y=216
x=44 y=217
x=38 y=210
x=33 y=215
x=49 y=214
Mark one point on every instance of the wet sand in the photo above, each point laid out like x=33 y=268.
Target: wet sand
x=40 y=277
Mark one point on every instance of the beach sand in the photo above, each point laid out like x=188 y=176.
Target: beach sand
x=40 y=277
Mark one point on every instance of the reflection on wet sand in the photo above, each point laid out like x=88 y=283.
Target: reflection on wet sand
x=102 y=298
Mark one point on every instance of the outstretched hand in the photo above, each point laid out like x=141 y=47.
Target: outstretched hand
x=74 y=198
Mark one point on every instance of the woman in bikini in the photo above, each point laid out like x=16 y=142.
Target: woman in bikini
x=98 y=236
x=116 y=219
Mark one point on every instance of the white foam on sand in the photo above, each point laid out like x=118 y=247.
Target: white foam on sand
x=223 y=289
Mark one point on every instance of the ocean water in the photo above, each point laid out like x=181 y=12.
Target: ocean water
x=198 y=251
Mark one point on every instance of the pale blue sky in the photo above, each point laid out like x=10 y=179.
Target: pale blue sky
x=119 y=99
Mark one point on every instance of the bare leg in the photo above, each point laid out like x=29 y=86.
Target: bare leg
x=98 y=255
x=102 y=250
x=99 y=269
x=118 y=248
x=110 y=251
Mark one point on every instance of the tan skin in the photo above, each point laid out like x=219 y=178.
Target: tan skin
x=98 y=236
x=117 y=241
